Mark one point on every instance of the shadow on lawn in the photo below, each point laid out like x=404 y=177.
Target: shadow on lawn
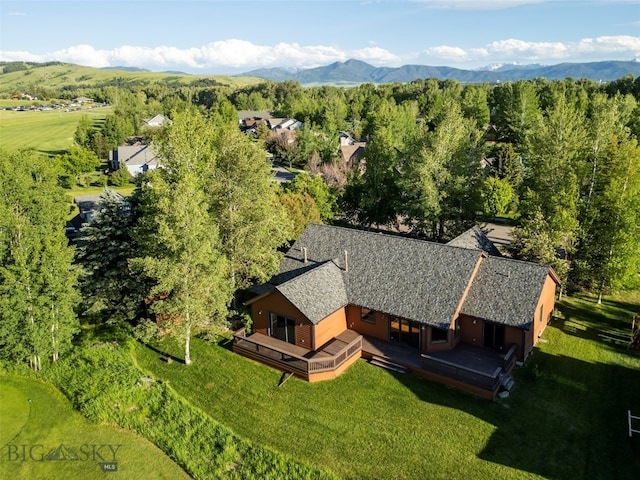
x=164 y=356
x=564 y=419
x=568 y=419
x=609 y=323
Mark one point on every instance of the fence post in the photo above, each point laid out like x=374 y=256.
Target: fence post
x=631 y=430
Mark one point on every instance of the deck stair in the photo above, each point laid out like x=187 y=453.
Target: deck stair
x=507 y=382
x=389 y=365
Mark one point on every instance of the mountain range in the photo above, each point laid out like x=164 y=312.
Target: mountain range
x=356 y=72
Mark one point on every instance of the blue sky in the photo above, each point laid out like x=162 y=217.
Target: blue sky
x=225 y=36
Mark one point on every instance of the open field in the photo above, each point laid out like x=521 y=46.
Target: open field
x=49 y=132
x=37 y=420
x=565 y=418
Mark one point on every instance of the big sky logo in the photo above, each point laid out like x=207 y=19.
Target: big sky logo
x=103 y=454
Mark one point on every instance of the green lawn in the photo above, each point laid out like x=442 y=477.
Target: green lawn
x=565 y=418
x=35 y=419
x=49 y=132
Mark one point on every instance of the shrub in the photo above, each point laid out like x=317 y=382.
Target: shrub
x=120 y=177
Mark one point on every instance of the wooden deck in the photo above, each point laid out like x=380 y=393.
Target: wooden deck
x=474 y=369
x=325 y=363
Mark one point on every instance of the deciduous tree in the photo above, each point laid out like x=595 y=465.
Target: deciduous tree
x=37 y=294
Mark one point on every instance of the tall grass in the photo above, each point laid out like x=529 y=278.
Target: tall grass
x=104 y=385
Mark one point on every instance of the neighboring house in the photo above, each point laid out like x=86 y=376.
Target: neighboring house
x=88 y=205
x=82 y=100
x=283 y=123
x=476 y=239
x=251 y=118
x=135 y=158
x=156 y=121
x=452 y=314
x=345 y=139
x=352 y=154
x=351 y=151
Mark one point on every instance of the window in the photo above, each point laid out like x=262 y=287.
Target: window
x=541 y=312
x=438 y=335
x=404 y=331
x=283 y=328
x=367 y=315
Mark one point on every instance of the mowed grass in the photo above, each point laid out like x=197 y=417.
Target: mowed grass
x=37 y=416
x=565 y=418
x=49 y=132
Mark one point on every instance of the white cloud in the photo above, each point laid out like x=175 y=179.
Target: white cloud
x=376 y=55
x=541 y=52
x=241 y=55
x=17 y=14
x=478 y=4
x=231 y=53
x=454 y=54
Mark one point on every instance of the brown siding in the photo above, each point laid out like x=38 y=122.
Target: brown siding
x=545 y=304
x=428 y=346
x=528 y=343
x=330 y=327
x=378 y=330
x=470 y=333
x=514 y=335
x=304 y=335
x=275 y=302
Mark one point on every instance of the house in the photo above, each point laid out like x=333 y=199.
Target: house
x=252 y=118
x=283 y=123
x=454 y=314
x=352 y=154
x=345 y=138
x=81 y=100
x=135 y=158
x=156 y=121
x=88 y=205
x=475 y=238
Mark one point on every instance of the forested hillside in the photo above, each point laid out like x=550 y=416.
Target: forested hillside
x=558 y=157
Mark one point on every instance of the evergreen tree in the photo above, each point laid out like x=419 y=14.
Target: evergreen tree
x=516 y=107
x=111 y=292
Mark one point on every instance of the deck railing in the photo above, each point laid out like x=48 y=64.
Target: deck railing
x=253 y=346
x=470 y=376
x=509 y=359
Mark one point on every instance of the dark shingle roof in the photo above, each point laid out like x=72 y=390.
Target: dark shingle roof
x=413 y=279
x=506 y=291
x=476 y=239
x=318 y=292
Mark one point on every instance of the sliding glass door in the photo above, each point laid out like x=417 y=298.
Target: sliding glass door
x=493 y=336
x=404 y=331
x=283 y=328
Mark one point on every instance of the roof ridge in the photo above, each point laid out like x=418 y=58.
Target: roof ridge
x=312 y=269
x=527 y=262
x=388 y=235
